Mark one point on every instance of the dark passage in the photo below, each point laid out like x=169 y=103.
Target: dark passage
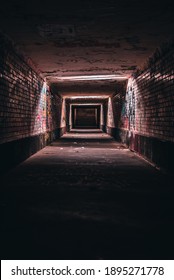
x=87 y=197
x=86 y=117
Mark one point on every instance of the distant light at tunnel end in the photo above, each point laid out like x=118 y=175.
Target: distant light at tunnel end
x=92 y=77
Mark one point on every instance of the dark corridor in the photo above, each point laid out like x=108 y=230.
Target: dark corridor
x=87 y=129
x=86 y=117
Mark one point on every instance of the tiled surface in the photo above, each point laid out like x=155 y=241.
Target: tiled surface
x=27 y=106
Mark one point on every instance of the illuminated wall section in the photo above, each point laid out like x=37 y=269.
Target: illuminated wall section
x=147 y=119
x=102 y=117
x=26 y=122
x=127 y=118
x=40 y=118
x=110 y=117
x=63 y=114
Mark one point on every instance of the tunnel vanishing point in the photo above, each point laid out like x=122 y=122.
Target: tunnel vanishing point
x=87 y=129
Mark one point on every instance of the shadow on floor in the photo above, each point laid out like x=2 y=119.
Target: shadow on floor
x=83 y=202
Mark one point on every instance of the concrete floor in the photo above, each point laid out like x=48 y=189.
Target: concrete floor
x=87 y=197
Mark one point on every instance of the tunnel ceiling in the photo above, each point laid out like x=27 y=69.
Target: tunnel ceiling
x=71 y=38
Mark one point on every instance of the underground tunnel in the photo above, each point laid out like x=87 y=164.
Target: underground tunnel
x=87 y=129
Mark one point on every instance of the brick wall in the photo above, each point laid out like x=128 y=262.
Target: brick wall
x=147 y=116
x=28 y=111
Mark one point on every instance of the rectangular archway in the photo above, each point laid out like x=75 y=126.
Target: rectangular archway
x=86 y=116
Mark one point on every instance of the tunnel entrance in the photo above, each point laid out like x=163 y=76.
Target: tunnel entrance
x=85 y=117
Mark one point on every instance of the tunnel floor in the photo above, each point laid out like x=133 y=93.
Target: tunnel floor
x=86 y=196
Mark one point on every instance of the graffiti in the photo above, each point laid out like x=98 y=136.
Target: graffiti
x=131 y=108
x=128 y=108
x=40 y=121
